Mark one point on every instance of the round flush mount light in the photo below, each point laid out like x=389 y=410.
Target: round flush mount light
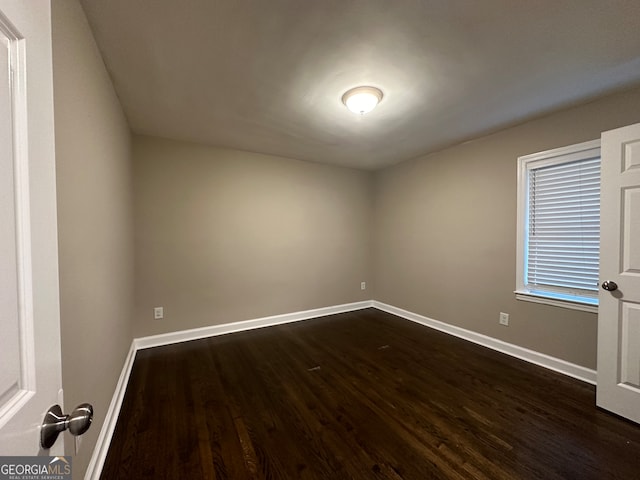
x=362 y=100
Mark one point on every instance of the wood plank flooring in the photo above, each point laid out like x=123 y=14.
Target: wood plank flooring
x=362 y=395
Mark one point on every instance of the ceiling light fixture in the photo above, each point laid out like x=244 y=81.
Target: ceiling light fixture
x=362 y=100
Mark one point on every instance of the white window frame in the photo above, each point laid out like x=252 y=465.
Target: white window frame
x=527 y=163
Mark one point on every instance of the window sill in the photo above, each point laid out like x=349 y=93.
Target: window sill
x=537 y=298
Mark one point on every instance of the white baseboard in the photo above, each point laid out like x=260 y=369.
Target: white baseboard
x=106 y=432
x=104 y=439
x=567 y=368
x=213 y=330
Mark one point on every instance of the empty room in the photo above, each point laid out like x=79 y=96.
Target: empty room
x=320 y=239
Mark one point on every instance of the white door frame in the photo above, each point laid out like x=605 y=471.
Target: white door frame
x=27 y=25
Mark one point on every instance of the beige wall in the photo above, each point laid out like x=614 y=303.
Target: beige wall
x=94 y=222
x=445 y=232
x=224 y=235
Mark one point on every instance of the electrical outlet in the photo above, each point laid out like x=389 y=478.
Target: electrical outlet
x=504 y=319
x=158 y=313
x=363 y=285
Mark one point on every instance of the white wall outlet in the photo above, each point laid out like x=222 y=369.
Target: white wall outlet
x=158 y=313
x=363 y=285
x=504 y=319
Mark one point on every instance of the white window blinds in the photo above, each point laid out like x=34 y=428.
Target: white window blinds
x=563 y=237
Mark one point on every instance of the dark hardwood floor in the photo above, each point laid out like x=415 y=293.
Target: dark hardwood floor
x=363 y=395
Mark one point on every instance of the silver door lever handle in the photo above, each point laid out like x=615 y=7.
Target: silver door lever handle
x=55 y=422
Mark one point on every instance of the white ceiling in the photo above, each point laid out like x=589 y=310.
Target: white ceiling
x=268 y=75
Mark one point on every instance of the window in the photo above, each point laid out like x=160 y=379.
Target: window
x=559 y=226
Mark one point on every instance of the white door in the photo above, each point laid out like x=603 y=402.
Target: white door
x=618 y=387
x=30 y=377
